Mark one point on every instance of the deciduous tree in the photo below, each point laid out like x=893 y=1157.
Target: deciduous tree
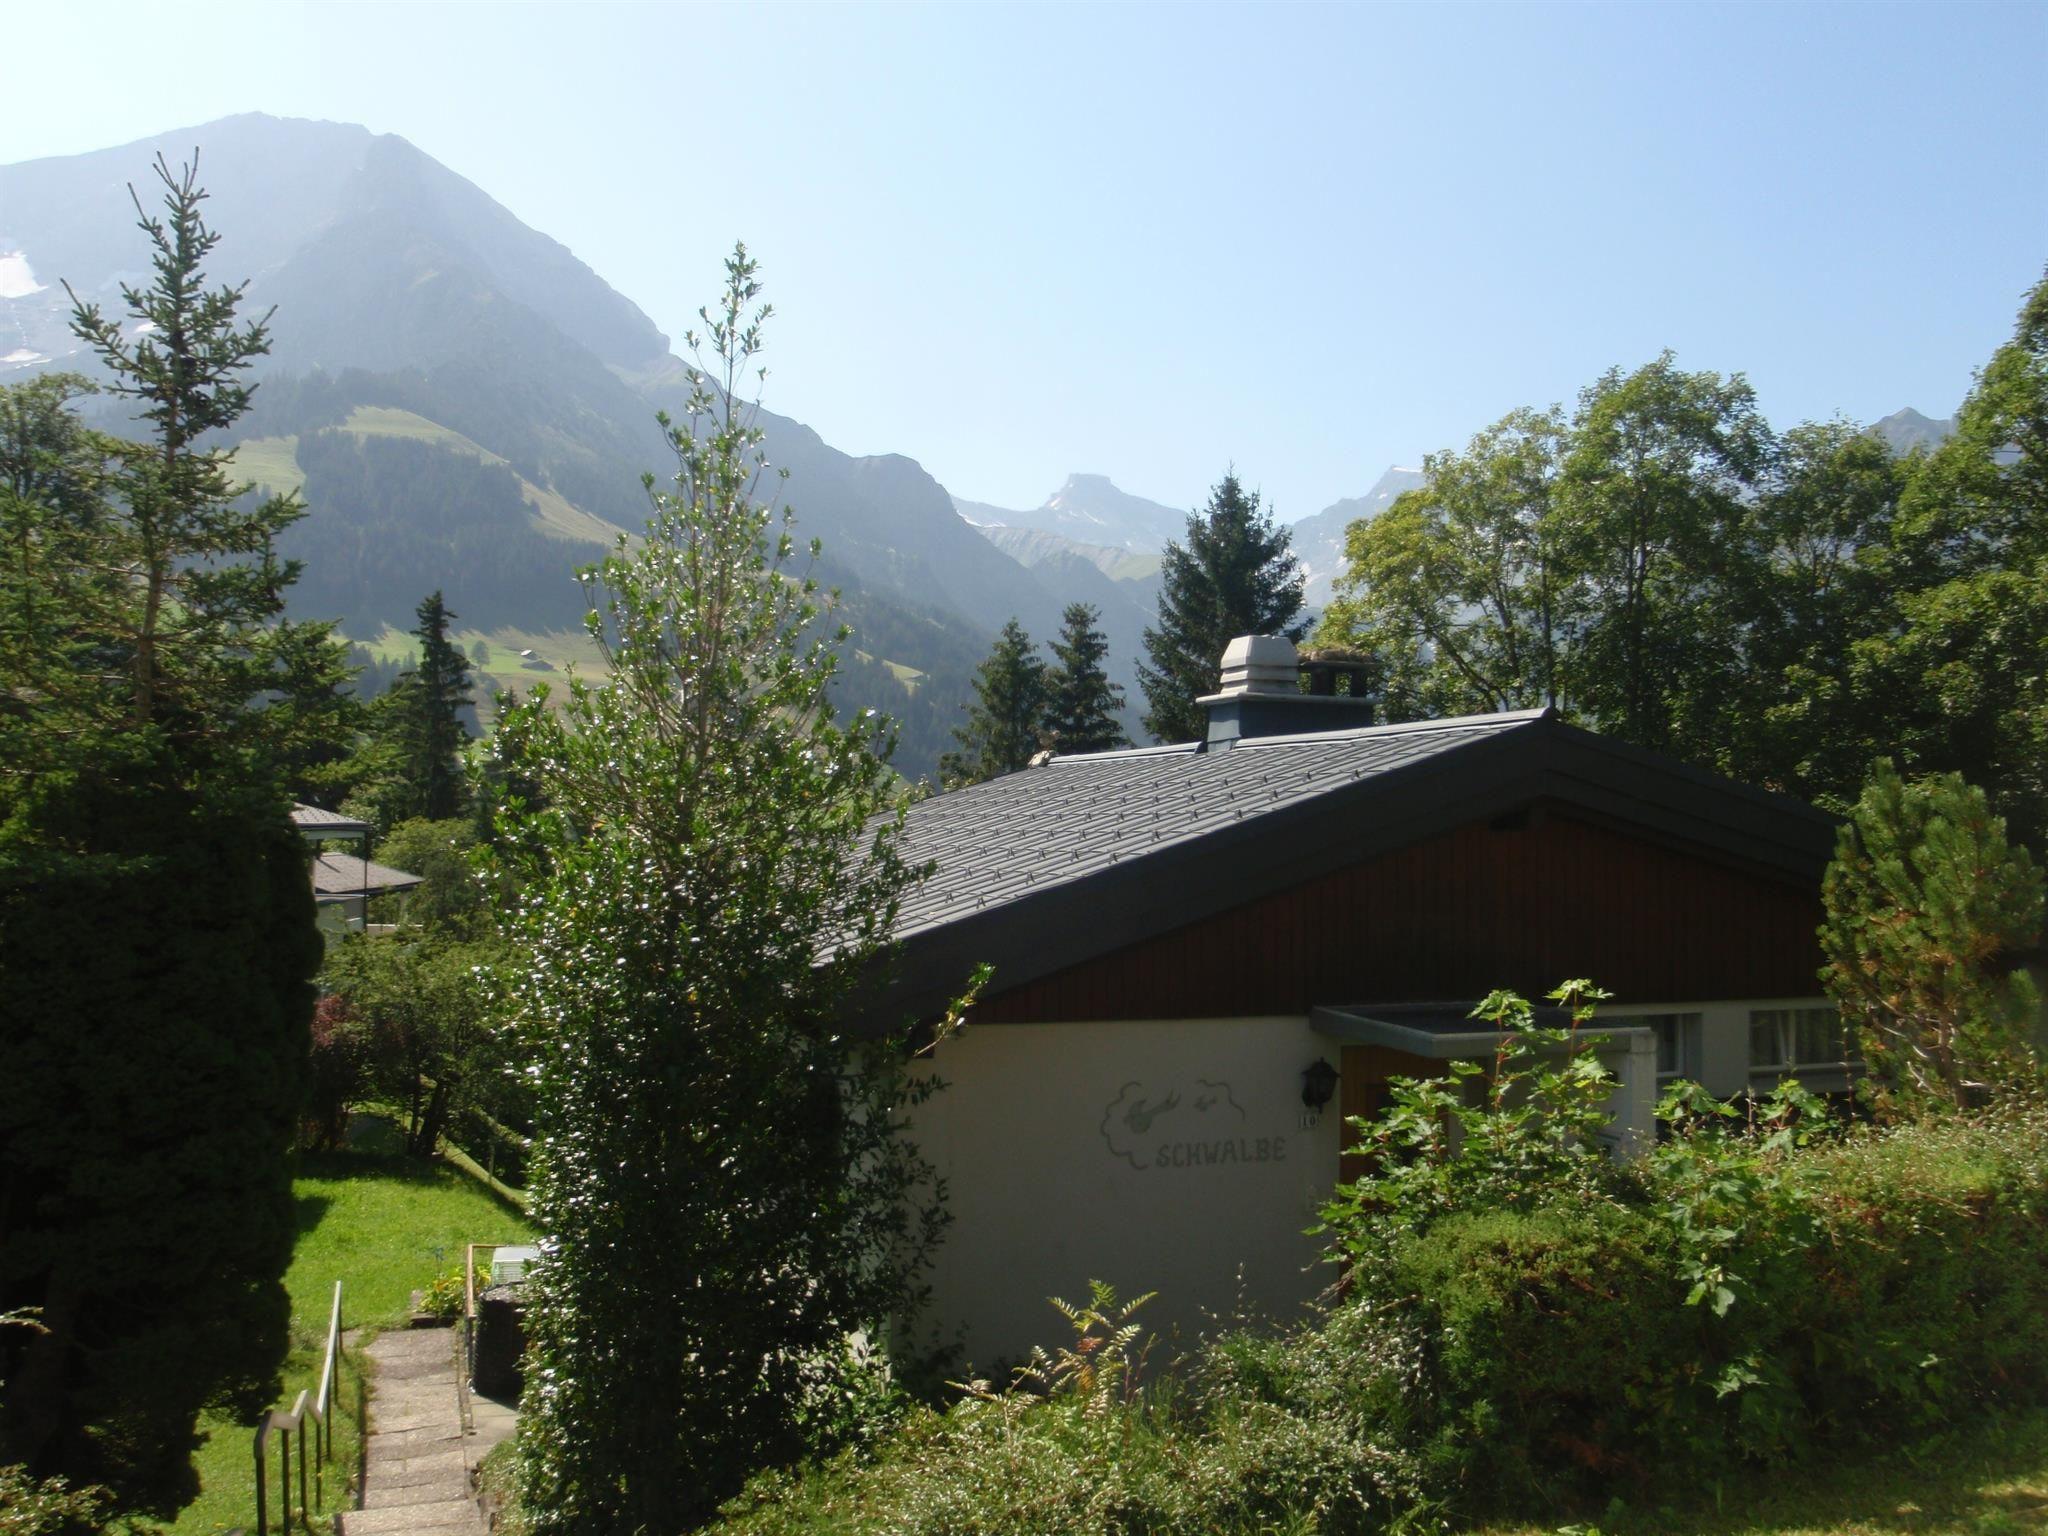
x=718 y=1169
x=1959 y=682
x=1465 y=589
x=1651 y=492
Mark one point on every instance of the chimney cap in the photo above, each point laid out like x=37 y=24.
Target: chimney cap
x=1260 y=664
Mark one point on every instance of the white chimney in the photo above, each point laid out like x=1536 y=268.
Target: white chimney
x=1260 y=664
x=1261 y=693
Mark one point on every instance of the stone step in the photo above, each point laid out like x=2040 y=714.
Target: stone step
x=442 y=1517
x=440 y=1490
x=408 y=1472
x=405 y=1444
x=417 y=1459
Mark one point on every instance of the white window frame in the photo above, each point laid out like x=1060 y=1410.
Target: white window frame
x=1718 y=1049
x=1685 y=1025
x=1785 y=1022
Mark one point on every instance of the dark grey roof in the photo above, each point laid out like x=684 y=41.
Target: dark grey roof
x=315 y=823
x=344 y=874
x=1050 y=866
x=1062 y=822
x=1446 y=1031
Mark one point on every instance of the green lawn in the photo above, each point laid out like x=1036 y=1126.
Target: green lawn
x=383 y=1225
x=271 y=462
x=1990 y=1479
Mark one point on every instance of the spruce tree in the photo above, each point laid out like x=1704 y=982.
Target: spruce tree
x=1081 y=701
x=1001 y=732
x=1233 y=575
x=1928 y=910
x=426 y=713
x=157 y=933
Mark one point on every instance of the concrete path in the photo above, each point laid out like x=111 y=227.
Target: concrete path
x=422 y=1446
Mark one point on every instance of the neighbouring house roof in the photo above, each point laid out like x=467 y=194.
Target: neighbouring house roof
x=316 y=823
x=340 y=875
x=1444 y=1031
x=1053 y=865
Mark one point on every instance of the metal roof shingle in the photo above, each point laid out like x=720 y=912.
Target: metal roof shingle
x=1058 y=823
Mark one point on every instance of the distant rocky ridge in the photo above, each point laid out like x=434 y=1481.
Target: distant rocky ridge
x=1090 y=510
x=1130 y=526
x=1031 y=547
x=1319 y=539
x=1907 y=430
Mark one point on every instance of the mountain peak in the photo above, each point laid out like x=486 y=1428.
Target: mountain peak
x=1319 y=538
x=1907 y=429
x=279 y=189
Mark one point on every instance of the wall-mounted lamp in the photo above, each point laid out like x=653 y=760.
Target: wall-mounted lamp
x=1318 y=1082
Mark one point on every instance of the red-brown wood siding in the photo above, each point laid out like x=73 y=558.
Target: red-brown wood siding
x=1455 y=917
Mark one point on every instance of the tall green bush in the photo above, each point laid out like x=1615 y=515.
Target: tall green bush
x=1765 y=1284
x=1767 y=1288
x=718 y=1166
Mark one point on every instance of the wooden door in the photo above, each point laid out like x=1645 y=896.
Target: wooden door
x=1362 y=1093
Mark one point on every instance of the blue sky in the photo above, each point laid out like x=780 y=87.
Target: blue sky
x=1151 y=241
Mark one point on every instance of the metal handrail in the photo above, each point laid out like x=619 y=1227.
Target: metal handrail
x=320 y=1409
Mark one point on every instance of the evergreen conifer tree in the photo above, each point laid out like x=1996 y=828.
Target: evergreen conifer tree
x=1081 y=701
x=1001 y=732
x=157 y=932
x=1928 y=909
x=426 y=712
x=1234 y=574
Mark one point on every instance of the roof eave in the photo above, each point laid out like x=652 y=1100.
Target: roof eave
x=1537 y=759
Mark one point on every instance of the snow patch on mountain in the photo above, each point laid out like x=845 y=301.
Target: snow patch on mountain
x=17 y=278
x=21 y=357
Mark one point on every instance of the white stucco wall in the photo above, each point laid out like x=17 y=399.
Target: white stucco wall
x=1154 y=1155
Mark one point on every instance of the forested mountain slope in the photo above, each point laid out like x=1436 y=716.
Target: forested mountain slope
x=402 y=291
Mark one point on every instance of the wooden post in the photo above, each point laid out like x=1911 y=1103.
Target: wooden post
x=262 y=1515
x=362 y=1436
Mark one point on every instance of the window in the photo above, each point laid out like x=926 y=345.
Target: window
x=1678 y=1041
x=1790 y=1040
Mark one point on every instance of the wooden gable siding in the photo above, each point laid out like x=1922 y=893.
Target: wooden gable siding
x=1454 y=917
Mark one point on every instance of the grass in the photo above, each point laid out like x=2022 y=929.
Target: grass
x=1988 y=1480
x=273 y=462
x=506 y=669
x=553 y=513
x=384 y=1225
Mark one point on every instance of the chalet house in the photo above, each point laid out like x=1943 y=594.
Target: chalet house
x=1208 y=956
x=345 y=877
